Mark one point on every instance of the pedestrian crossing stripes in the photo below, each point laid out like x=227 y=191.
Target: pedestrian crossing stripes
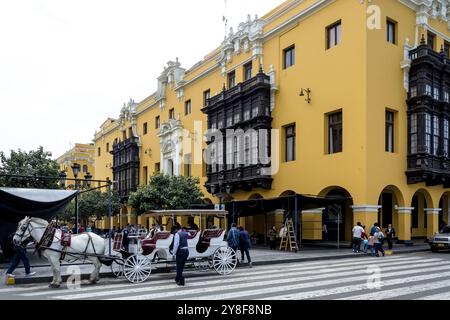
x=413 y=276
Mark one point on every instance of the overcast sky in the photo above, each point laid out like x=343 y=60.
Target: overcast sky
x=65 y=66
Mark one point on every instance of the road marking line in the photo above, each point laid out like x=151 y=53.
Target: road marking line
x=239 y=274
x=265 y=284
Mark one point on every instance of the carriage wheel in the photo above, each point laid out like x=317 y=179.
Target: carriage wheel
x=137 y=268
x=117 y=268
x=224 y=260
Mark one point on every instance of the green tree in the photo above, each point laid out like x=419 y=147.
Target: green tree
x=33 y=163
x=92 y=204
x=166 y=192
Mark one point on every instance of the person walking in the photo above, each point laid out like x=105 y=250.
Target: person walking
x=379 y=239
x=390 y=235
x=357 y=232
x=233 y=237
x=324 y=232
x=273 y=237
x=20 y=254
x=180 y=254
x=245 y=245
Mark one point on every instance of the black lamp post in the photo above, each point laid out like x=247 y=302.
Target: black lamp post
x=76 y=170
x=62 y=179
x=87 y=180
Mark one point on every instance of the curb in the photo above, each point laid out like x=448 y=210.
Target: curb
x=48 y=279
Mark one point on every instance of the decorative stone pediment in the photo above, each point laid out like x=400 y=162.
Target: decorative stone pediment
x=249 y=36
x=172 y=76
x=430 y=9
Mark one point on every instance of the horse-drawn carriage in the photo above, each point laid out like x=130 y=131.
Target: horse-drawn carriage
x=207 y=249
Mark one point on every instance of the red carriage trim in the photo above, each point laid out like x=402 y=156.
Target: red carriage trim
x=192 y=234
x=66 y=239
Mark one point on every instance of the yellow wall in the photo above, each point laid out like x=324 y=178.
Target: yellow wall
x=361 y=76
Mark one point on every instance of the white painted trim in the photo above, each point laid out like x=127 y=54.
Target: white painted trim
x=440 y=34
x=432 y=211
x=278 y=14
x=298 y=17
x=365 y=208
x=406 y=210
x=314 y=211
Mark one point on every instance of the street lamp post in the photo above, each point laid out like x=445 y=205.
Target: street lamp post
x=76 y=170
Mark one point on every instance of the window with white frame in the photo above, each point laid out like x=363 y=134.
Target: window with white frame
x=428 y=132
x=436 y=135
x=413 y=129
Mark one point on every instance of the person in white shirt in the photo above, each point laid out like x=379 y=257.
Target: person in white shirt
x=357 y=233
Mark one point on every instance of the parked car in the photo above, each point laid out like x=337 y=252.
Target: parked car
x=441 y=240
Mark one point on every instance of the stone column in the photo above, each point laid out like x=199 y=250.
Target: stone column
x=366 y=214
x=432 y=221
x=312 y=224
x=404 y=223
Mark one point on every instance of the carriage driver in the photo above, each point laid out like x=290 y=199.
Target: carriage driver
x=180 y=253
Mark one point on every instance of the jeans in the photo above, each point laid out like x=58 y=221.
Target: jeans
x=182 y=256
x=357 y=244
x=20 y=255
x=246 y=251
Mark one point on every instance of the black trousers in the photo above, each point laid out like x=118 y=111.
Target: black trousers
x=247 y=252
x=389 y=241
x=182 y=256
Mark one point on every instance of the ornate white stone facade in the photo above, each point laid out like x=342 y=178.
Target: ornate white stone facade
x=171 y=139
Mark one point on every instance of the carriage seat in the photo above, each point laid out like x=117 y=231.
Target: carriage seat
x=149 y=245
x=205 y=240
x=192 y=234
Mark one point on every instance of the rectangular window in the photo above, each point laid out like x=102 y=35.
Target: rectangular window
x=431 y=40
x=107 y=147
x=157 y=167
x=229 y=152
x=237 y=116
x=130 y=133
x=446 y=96
x=235 y=152
x=289 y=57
x=447 y=49
x=99 y=152
x=389 y=131
x=391 y=27
x=436 y=135
x=436 y=92
x=248 y=71
x=427 y=133
x=247 y=151
x=229 y=119
x=157 y=122
x=145 y=128
x=290 y=138
x=172 y=113
x=255 y=147
x=446 y=137
x=247 y=114
x=335 y=132
x=145 y=173
x=231 y=79
x=413 y=129
x=187 y=107
x=334 y=35
x=428 y=90
x=413 y=92
x=187 y=166
x=206 y=96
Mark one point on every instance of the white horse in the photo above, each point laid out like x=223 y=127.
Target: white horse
x=85 y=243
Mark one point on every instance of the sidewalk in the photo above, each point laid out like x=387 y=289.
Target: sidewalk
x=260 y=256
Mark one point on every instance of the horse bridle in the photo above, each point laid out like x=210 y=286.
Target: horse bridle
x=23 y=229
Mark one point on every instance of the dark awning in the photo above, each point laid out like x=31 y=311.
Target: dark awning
x=300 y=202
x=15 y=204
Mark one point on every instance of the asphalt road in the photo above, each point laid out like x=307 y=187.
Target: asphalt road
x=405 y=277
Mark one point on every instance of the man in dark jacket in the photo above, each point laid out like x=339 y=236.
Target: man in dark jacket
x=390 y=235
x=244 y=245
x=180 y=253
x=233 y=237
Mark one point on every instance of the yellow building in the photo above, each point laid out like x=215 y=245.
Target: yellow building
x=82 y=154
x=350 y=97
